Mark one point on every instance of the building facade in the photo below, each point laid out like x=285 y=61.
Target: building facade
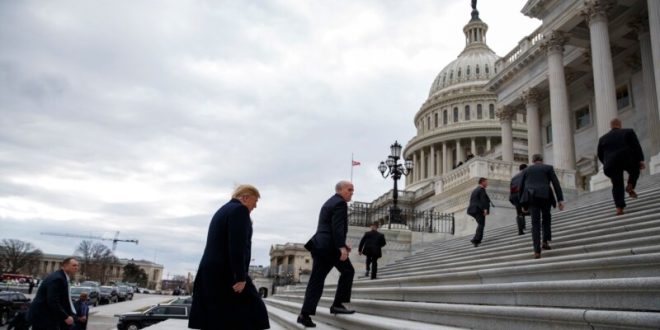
x=288 y=261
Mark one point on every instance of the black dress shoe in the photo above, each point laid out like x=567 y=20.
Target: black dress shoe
x=546 y=246
x=475 y=244
x=520 y=232
x=306 y=321
x=340 y=310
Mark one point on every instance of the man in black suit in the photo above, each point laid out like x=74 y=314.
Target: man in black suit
x=224 y=296
x=514 y=198
x=537 y=196
x=329 y=249
x=370 y=245
x=479 y=208
x=52 y=307
x=619 y=150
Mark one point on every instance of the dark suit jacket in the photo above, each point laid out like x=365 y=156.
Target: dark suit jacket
x=479 y=201
x=51 y=306
x=536 y=182
x=332 y=228
x=514 y=188
x=225 y=262
x=619 y=148
x=371 y=244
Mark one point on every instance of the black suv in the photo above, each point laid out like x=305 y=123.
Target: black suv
x=93 y=294
x=10 y=303
x=153 y=315
x=108 y=295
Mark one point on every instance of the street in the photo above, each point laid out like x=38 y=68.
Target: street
x=102 y=317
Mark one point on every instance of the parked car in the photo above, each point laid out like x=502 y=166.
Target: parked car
x=108 y=295
x=12 y=302
x=93 y=294
x=153 y=315
x=122 y=293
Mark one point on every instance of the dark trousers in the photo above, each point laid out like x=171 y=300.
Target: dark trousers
x=520 y=218
x=321 y=266
x=615 y=173
x=481 y=222
x=372 y=264
x=540 y=211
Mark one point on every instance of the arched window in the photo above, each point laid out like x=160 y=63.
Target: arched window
x=486 y=68
x=451 y=75
x=467 y=112
x=479 y=112
x=435 y=117
x=459 y=72
x=444 y=117
x=467 y=73
x=477 y=69
x=455 y=115
x=491 y=111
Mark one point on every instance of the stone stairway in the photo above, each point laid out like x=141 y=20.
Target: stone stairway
x=602 y=273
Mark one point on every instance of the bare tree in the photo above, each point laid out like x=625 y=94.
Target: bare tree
x=96 y=260
x=17 y=256
x=84 y=251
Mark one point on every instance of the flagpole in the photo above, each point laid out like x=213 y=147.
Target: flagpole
x=352 y=167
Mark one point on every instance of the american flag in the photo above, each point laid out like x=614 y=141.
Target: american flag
x=356 y=163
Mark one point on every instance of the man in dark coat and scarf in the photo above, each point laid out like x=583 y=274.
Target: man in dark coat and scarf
x=224 y=296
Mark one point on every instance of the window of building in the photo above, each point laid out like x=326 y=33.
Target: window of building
x=444 y=117
x=467 y=112
x=548 y=133
x=468 y=71
x=491 y=111
x=479 y=112
x=428 y=122
x=435 y=117
x=476 y=70
x=582 y=118
x=622 y=97
x=455 y=114
x=444 y=78
x=459 y=73
x=486 y=68
x=451 y=75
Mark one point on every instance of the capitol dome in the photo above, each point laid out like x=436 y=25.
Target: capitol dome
x=475 y=64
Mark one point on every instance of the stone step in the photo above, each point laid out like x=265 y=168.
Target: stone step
x=288 y=320
x=523 y=251
x=628 y=294
x=357 y=321
x=488 y=317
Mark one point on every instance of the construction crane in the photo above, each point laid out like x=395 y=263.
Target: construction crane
x=114 y=240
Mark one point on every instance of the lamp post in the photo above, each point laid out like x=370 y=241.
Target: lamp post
x=392 y=168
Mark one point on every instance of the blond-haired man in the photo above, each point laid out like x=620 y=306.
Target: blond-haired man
x=224 y=296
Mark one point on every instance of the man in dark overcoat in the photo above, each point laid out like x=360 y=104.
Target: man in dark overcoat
x=619 y=150
x=224 y=296
x=538 y=197
x=514 y=198
x=330 y=250
x=479 y=208
x=371 y=246
x=52 y=307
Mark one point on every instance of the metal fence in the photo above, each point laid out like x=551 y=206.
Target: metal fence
x=420 y=221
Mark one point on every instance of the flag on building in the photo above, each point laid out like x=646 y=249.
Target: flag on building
x=356 y=163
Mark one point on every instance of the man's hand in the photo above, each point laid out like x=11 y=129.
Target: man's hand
x=359 y=253
x=344 y=253
x=349 y=248
x=485 y=212
x=642 y=165
x=69 y=320
x=238 y=287
x=561 y=206
x=82 y=319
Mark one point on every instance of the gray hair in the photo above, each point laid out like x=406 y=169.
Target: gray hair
x=341 y=184
x=537 y=158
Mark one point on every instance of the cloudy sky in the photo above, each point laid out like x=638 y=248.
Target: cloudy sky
x=142 y=116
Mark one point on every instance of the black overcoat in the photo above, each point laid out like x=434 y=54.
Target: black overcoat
x=51 y=306
x=479 y=201
x=536 y=182
x=619 y=148
x=332 y=228
x=372 y=243
x=225 y=262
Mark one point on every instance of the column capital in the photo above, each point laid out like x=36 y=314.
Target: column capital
x=554 y=42
x=530 y=96
x=595 y=10
x=505 y=113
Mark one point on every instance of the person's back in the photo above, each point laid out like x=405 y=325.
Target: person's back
x=537 y=179
x=619 y=147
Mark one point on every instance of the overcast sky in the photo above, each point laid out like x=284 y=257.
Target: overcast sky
x=142 y=116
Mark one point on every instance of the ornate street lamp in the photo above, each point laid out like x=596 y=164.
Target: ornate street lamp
x=391 y=167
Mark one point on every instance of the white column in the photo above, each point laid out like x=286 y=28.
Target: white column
x=563 y=145
x=473 y=147
x=507 y=133
x=534 y=144
x=445 y=159
x=422 y=160
x=488 y=145
x=415 y=167
x=432 y=173
x=459 y=156
x=654 y=29
x=601 y=60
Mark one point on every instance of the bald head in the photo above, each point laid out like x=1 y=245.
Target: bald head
x=615 y=123
x=344 y=189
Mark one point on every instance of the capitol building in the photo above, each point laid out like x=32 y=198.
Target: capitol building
x=554 y=94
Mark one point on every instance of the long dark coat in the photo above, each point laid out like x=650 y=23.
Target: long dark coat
x=372 y=243
x=479 y=201
x=620 y=149
x=51 y=306
x=225 y=262
x=536 y=183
